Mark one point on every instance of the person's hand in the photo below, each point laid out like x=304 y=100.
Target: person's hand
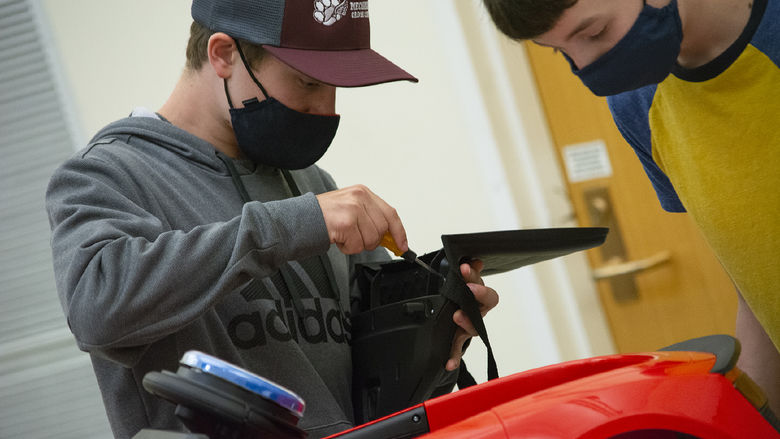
x=487 y=298
x=357 y=219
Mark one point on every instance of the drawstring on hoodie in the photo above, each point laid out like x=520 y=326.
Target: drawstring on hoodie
x=286 y=270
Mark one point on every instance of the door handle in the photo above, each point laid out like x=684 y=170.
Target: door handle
x=630 y=267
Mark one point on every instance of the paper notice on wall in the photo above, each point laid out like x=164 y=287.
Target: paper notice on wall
x=587 y=161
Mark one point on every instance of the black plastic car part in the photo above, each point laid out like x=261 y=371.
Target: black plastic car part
x=403 y=329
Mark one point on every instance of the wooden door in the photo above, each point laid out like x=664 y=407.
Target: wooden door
x=684 y=293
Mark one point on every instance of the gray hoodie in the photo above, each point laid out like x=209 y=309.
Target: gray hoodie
x=154 y=251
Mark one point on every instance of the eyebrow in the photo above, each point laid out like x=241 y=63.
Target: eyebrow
x=582 y=26
x=545 y=45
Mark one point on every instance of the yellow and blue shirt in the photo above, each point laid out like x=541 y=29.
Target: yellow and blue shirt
x=709 y=140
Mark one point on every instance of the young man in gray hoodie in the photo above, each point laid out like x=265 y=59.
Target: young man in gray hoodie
x=207 y=225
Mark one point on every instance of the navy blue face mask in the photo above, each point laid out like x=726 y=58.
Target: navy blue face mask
x=645 y=55
x=270 y=133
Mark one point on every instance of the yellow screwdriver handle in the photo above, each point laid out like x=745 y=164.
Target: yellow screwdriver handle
x=389 y=243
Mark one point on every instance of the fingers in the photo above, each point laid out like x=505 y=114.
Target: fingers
x=357 y=219
x=460 y=319
x=397 y=230
x=471 y=271
x=464 y=332
x=486 y=296
x=368 y=227
x=456 y=352
x=488 y=299
x=385 y=218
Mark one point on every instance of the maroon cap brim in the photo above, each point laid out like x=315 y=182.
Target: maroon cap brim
x=342 y=68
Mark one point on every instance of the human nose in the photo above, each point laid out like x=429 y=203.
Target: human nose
x=324 y=102
x=583 y=58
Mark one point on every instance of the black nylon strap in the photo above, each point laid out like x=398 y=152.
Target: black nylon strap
x=457 y=291
x=227 y=93
x=237 y=183
x=249 y=68
x=291 y=183
x=465 y=379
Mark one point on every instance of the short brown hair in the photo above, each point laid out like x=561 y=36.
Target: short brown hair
x=526 y=19
x=197 y=47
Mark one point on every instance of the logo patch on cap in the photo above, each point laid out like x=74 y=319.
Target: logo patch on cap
x=328 y=12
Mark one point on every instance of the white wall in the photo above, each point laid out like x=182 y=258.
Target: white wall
x=426 y=148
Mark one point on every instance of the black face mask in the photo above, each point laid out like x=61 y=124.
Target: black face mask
x=646 y=54
x=272 y=134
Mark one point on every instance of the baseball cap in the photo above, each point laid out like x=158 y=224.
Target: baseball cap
x=328 y=40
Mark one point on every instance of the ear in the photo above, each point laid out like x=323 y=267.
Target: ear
x=221 y=54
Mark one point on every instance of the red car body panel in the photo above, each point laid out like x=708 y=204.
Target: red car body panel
x=658 y=392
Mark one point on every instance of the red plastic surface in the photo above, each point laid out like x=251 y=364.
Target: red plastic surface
x=602 y=397
x=653 y=394
x=450 y=408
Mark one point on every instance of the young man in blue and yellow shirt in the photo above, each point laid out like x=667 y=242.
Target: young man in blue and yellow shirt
x=694 y=87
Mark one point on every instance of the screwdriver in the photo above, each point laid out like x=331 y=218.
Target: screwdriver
x=389 y=243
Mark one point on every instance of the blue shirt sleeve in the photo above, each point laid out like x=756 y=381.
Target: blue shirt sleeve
x=766 y=37
x=630 y=111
